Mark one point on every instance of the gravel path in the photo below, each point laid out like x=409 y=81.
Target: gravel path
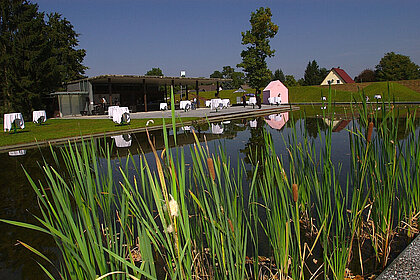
x=406 y=266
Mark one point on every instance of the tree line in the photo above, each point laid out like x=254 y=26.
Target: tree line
x=38 y=53
x=391 y=67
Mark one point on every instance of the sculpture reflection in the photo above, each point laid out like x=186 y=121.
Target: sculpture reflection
x=122 y=141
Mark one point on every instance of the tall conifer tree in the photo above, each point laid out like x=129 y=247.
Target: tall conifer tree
x=258 y=39
x=36 y=57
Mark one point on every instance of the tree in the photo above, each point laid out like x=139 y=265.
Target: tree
x=394 y=67
x=278 y=75
x=217 y=75
x=238 y=79
x=64 y=41
x=258 y=39
x=36 y=56
x=313 y=75
x=228 y=72
x=323 y=72
x=367 y=75
x=290 y=81
x=155 y=72
x=301 y=82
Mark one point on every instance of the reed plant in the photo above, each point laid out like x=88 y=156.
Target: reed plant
x=161 y=217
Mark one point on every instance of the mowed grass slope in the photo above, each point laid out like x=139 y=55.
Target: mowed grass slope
x=313 y=94
x=340 y=93
x=63 y=128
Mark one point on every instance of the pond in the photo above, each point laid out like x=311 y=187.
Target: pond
x=239 y=138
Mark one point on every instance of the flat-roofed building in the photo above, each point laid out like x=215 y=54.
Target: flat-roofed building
x=139 y=93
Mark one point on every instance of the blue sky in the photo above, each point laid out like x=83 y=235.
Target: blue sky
x=132 y=36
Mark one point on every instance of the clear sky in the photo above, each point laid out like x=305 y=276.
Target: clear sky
x=200 y=36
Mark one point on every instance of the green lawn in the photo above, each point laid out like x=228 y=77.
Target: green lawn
x=312 y=94
x=62 y=128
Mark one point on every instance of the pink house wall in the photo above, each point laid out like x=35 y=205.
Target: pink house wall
x=275 y=88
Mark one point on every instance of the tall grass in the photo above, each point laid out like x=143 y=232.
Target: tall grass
x=177 y=220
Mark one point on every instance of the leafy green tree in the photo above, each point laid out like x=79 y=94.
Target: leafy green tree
x=36 y=56
x=228 y=72
x=301 y=82
x=258 y=39
x=278 y=75
x=290 y=81
x=217 y=75
x=155 y=72
x=238 y=79
x=394 y=67
x=367 y=75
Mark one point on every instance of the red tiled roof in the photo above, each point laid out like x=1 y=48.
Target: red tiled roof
x=340 y=72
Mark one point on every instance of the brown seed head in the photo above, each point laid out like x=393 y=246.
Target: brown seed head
x=295 y=192
x=370 y=129
x=210 y=165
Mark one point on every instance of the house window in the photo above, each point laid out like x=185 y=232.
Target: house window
x=338 y=81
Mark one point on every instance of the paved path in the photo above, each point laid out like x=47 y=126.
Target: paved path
x=199 y=113
x=406 y=266
x=206 y=114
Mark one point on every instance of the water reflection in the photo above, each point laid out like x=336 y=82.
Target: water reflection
x=337 y=124
x=239 y=137
x=17 y=153
x=122 y=141
x=217 y=128
x=277 y=121
x=253 y=123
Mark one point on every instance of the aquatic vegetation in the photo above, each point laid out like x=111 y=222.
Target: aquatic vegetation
x=207 y=219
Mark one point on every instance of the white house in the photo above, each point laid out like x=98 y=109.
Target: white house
x=337 y=76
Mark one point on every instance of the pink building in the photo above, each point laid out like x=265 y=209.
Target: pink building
x=277 y=92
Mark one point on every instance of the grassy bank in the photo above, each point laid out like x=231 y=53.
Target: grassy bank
x=63 y=128
x=340 y=93
x=310 y=94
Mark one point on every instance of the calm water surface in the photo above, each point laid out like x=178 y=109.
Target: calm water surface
x=238 y=137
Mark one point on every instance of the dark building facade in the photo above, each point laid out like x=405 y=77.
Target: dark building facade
x=138 y=93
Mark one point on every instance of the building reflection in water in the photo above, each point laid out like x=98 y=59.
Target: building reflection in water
x=337 y=124
x=277 y=121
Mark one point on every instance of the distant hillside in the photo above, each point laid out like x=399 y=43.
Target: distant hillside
x=401 y=90
x=411 y=84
